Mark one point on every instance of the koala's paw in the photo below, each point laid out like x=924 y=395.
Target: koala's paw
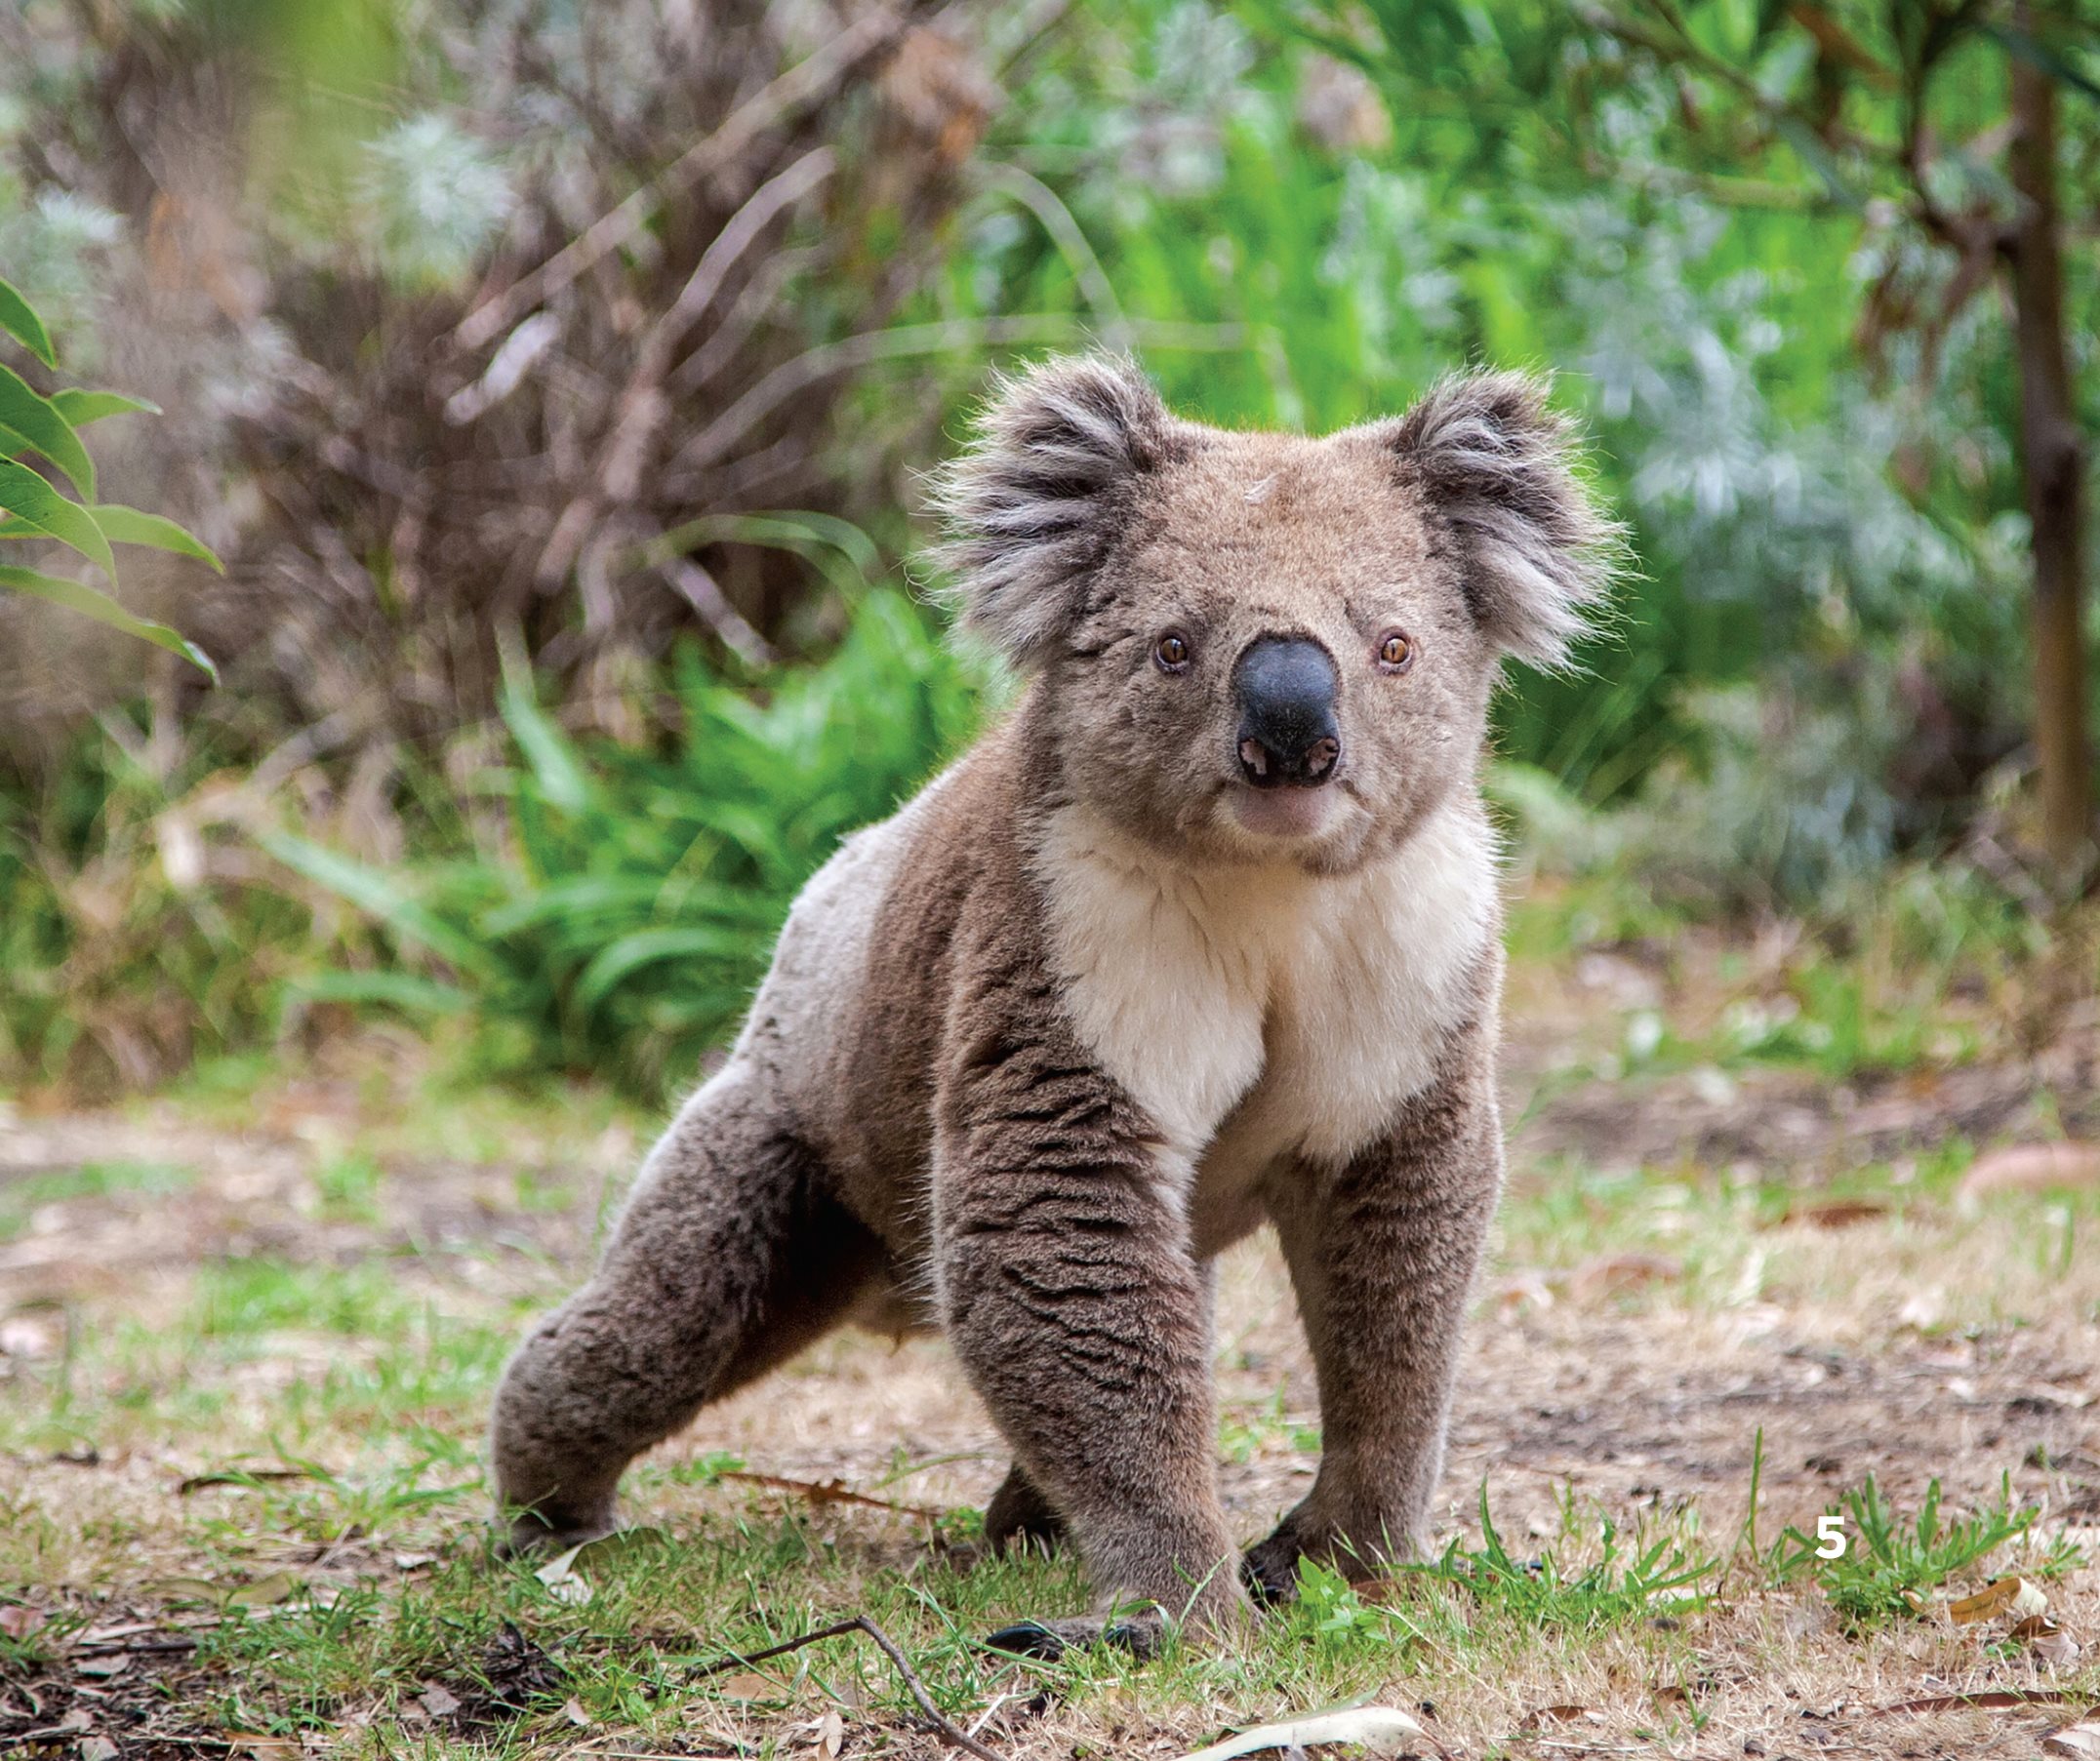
x=1140 y=1632
x=1269 y=1570
x=1019 y=1517
x=530 y=1536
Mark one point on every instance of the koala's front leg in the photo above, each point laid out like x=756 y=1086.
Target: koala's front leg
x=1382 y=1253
x=1083 y=1321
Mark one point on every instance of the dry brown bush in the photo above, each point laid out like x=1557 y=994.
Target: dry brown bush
x=719 y=207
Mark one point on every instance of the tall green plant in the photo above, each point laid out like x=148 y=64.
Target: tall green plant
x=32 y=507
x=622 y=923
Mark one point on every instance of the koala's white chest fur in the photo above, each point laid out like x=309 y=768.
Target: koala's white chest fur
x=1305 y=1009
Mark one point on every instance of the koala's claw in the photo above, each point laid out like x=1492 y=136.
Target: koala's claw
x=529 y=1538
x=1020 y=1518
x=1138 y=1634
x=1269 y=1570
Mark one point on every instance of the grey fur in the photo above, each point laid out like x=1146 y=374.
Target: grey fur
x=1492 y=459
x=1059 y=459
x=1084 y=1013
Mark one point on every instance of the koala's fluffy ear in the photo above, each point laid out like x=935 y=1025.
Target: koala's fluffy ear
x=1039 y=494
x=1495 y=466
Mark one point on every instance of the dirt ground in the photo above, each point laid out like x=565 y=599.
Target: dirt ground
x=1629 y=1349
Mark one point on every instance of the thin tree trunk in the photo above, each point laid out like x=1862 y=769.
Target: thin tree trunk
x=2050 y=461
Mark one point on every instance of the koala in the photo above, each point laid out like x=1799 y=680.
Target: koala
x=1203 y=935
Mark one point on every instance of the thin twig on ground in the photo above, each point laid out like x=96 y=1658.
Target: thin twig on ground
x=827 y=1491
x=945 y=1728
x=130 y=1647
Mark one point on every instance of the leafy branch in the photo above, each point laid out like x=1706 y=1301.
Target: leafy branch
x=32 y=507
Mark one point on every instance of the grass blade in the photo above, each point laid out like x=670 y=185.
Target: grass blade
x=378 y=895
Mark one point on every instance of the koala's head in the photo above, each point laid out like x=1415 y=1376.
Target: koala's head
x=1256 y=646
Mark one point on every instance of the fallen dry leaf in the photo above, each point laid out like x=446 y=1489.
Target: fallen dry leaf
x=1837 y=1213
x=1546 y=1715
x=1618 y=1274
x=2015 y=1598
x=831 y=1734
x=101 y=1668
x=2081 y=1741
x=1383 y=1730
x=97 y=1748
x=439 y=1700
x=562 y=1580
x=266 y=1592
x=572 y=1711
x=749 y=1684
x=1989 y=1700
x=563 y=1574
x=1523 y=1291
x=2032 y=1167
x=18 y=1622
x=2049 y=1641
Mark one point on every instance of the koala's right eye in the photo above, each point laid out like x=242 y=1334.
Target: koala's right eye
x=1172 y=652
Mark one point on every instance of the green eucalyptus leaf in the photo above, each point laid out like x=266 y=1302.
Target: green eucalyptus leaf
x=80 y=408
x=18 y=317
x=93 y=602
x=34 y=503
x=25 y=413
x=123 y=525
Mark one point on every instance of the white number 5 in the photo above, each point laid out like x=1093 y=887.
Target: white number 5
x=1830 y=1536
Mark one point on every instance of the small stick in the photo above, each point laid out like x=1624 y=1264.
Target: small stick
x=819 y=1491
x=104 y=1647
x=944 y=1726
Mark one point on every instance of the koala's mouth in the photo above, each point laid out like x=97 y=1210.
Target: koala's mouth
x=1294 y=811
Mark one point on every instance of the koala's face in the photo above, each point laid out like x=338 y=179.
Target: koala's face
x=1260 y=647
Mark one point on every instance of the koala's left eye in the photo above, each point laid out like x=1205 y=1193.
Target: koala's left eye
x=1395 y=652
x=1172 y=652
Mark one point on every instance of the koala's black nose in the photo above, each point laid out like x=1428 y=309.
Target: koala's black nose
x=1287 y=688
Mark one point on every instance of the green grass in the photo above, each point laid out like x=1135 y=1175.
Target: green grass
x=663 y=1607
x=1890 y=1564
x=23 y=1197
x=1627 y=1577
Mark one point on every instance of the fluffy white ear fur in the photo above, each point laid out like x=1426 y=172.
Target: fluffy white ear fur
x=1039 y=493
x=1495 y=466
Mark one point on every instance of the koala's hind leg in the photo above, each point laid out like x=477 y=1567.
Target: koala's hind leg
x=730 y=1257
x=1070 y=1293
x=1382 y=1253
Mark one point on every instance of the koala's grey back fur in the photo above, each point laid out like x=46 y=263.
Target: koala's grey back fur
x=1085 y=1011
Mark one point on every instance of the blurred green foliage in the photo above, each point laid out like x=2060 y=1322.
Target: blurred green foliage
x=622 y=920
x=34 y=510
x=1302 y=212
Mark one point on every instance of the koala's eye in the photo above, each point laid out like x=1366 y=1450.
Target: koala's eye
x=1172 y=652
x=1395 y=652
